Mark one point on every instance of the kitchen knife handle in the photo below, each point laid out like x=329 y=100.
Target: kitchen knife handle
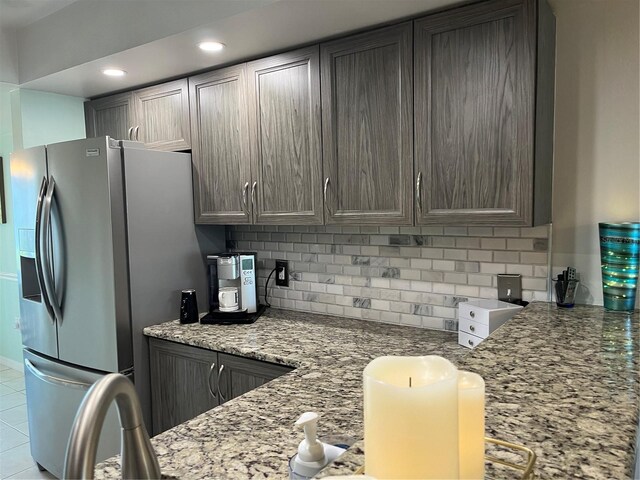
x=326 y=187
x=211 y=370
x=418 y=193
x=61 y=382
x=245 y=193
x=222 y=397
x=39 y=242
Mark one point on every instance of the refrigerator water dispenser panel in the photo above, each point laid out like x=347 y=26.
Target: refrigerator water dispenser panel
x=30 y=289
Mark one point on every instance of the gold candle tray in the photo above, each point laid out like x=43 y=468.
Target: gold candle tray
x=525 y=469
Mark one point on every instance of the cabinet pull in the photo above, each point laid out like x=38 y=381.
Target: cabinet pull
x=137 y=129
x=222 y=397
x=326 y=187
x=472 y=328
x=470 y=342
x=418 y=194
x=253 y=195
x=472 y=314
x=129 y=133
x=211 y=370
x=245 y=192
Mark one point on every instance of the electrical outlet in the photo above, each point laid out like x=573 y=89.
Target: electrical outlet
x=509 y=287
x=282 y=273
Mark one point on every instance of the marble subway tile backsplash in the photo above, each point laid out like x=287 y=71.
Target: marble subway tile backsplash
x=402 y=275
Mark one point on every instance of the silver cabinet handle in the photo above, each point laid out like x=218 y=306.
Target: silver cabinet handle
x=39 y=242
x=46 y=261
x=472 y=328
x=253 y=195
x=472 y=314
x=129 y=132
x=222 y=397
x=211 y=370
x=418 y=193
x=470 y=342
x=55 y=380
x=326 y=187
x=245 y=192
x=137 y=130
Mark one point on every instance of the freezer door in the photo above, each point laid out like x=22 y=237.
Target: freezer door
x=54 y=393
x=84 y=207
x=28 y=182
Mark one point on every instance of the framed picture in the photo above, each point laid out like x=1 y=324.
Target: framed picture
x=3 y=206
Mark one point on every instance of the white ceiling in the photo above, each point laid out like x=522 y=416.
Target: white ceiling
x=19 y=13
x=156 y=39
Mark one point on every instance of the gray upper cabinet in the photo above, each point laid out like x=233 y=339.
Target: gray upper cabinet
x=162 y=116
x=112 y=116
x=285 y=126
x=476 y=89
x=157 y=116
x=367 y=127
x=183 y=382
x=240 y=375
x=220 y=146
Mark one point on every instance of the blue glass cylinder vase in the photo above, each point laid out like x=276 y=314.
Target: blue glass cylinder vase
x=620 y=258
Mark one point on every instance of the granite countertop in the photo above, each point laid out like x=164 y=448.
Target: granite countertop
x=563 y=382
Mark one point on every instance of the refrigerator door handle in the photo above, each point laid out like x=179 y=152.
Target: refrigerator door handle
x=39 y=241
x=55 y=380
x=46 y=260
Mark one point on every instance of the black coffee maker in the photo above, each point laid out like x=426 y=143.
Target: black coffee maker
x=233 y=273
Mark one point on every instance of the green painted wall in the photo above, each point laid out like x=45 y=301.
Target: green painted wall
x=9 y=310
x=27 y=118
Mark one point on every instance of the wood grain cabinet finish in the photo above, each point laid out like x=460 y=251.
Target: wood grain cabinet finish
x=367 y=127
x=240 y=375
x=183 y=382
x=220 y=146
x=112 y=116
x=475 y=112
x=285 y=126
x=162 y=116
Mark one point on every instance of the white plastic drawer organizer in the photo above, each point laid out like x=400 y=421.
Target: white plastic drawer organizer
x=479 y=318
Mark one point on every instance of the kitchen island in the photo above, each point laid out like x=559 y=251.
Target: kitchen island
x=563 y=382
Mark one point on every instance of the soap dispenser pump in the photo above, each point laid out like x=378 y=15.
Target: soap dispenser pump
x=313 y=455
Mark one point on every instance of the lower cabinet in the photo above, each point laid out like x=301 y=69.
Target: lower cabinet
x=187 y=381
x=238 y=375
x=183 y=383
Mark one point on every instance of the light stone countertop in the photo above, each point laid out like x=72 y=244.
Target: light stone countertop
x=566 y=383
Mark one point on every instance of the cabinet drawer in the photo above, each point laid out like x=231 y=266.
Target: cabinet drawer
x=468 y=340
x=474 y=328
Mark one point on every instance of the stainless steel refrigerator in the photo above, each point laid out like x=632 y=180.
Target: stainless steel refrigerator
x=106 y=242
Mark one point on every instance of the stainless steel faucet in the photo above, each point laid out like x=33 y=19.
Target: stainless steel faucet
x=138 y=458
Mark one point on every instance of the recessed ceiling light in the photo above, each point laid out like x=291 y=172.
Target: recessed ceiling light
x=211 y=46
x=114 y=72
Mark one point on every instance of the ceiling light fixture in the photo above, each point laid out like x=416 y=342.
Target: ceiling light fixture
x=211 y=46
x=114 y=72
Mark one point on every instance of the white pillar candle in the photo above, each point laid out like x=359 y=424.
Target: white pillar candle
x=471 y=425
x=411 y=418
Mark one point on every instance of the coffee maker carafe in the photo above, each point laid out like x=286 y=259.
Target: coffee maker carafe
x=233 y=293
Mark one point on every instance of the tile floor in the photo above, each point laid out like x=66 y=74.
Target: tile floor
x=15 y=457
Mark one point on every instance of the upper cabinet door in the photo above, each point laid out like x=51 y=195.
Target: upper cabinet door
x=367 y=127
x=220 y=146
x=112 y=116
x=162 y=116
x=286 y=152
x=474 y=109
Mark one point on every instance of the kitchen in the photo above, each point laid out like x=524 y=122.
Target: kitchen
x=378 y=271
